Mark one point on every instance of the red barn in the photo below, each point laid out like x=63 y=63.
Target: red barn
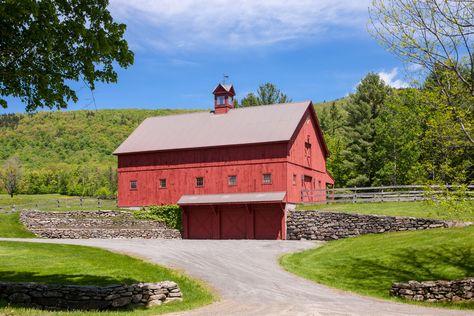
x=234 y=172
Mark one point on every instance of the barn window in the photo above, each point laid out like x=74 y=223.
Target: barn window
x=162 y=183
x=267 y=178
x=232 y=180
x=307 y=152
x=294 y=179
x=133 y=185
x=220 y=100
x=199 y=182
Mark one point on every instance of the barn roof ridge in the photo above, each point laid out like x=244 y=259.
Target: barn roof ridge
x=246 y=125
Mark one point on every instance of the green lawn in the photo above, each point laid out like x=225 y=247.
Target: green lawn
x=414 y=209
x=5 y=199
x=369 y=264
x=10 y=227
x=67 y=264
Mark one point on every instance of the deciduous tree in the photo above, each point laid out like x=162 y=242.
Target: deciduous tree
x=10 y=175
x=47 y=44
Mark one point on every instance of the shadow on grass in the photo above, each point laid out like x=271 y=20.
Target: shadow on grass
x=411 y=264
x=75 y=279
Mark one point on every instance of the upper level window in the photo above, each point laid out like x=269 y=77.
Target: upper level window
x=162 y=183
x=133 y=185
x=199 y=182
x=294 y=179
x=307 y=152
x=232 y=180
x=230 y=100
x=267 y=178
x=220 y=99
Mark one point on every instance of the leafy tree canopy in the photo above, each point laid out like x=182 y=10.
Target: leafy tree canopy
x=46 y=43
x=267 y=93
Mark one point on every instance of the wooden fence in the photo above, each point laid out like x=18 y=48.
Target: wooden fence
x=65 y=203
x=401 y=193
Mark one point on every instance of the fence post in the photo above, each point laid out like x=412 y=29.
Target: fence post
x=354 y=195
x=382 y=195
x=98 y=202
x=13 y=208
x=80 y=201
x=58 y=203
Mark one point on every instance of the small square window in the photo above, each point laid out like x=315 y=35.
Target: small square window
x=199 y=182
x=267 y=178
x=162 y=183
x=133 y=185
x=220 y=100
x=232 y=180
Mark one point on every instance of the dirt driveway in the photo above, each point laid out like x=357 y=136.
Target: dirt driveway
x=250 y=281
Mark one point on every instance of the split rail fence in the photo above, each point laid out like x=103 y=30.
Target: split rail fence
x=73 y=203
x=399 y=193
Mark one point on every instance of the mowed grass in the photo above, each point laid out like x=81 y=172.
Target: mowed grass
x=68 y=264
x=369 y=264
x=6 y=200
x=413 y=209
x=10 y=227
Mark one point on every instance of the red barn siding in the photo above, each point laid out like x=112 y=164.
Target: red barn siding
x=180 y=169
x=248 y=162
x=310 y=173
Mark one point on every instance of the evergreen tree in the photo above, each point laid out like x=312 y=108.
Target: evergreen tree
x=359 y=163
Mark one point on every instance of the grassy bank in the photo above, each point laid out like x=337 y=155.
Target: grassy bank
x=67 y=264
x=369 y=264
x=414 y=209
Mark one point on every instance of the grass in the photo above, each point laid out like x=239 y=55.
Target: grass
x=369 y=264
x=10 y=227
x=413 y=209
x=6 y=200
x=68 y=264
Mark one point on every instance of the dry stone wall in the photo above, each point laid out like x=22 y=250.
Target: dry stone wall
x=79 y=297
x=94 y=224
x=320 y=225
x=435 y=291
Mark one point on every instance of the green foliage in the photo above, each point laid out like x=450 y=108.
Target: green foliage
x=267 y=93
x=69 y=152
x=369 y=264
x=47 y=43
x=359 y=162
x=169 y=214
x=10 y=176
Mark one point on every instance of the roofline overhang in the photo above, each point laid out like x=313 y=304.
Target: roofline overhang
x=203 y=147
x=229 y=203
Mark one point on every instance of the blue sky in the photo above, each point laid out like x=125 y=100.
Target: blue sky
x=311 y=49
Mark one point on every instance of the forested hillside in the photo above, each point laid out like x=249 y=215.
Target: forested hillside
x=69 y=152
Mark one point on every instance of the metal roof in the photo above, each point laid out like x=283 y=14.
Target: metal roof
x=249 y=125
x=258 y=197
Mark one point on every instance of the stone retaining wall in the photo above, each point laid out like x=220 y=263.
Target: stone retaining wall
x=435 y=291
x=94 y=224
x=319 y=225
x=79 y=297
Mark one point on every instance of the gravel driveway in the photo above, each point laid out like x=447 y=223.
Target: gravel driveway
x=247 y=277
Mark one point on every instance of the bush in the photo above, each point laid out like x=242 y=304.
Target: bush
x=168 y=214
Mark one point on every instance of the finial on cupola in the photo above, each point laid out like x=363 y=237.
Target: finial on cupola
x=223 y=97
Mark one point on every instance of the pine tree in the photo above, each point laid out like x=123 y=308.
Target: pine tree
x=359 y=163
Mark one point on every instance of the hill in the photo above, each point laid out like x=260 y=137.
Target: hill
x=46 y=139
x=70 y=152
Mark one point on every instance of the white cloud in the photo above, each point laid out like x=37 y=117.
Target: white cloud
x=190 y=24
x=390 y=79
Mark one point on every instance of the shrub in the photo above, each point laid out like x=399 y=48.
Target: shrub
x=168 y=214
